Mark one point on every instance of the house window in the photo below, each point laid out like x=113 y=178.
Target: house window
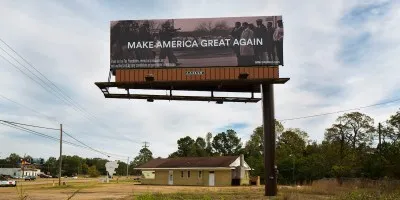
x=200 y=174
x=181 y=174
x=188 y=174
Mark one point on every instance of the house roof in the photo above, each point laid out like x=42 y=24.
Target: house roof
x=190 y=162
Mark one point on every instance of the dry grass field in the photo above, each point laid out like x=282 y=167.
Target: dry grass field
x=86 y=189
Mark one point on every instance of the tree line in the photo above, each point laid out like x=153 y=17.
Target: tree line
x=354 y=146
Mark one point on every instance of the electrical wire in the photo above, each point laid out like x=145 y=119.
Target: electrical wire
x=39 y=134
x=74 y=105
x=9 y=122
x=341 y=111
x=18 y=126
x=46 y=116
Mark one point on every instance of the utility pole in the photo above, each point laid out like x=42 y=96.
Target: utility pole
x=268 y=112
x=294 y=180
x=60 y=161
x=380 y=144
x=127 y=168
x=23 y=165
x=145 y=144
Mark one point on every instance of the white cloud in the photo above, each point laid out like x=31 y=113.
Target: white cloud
x=71 y=48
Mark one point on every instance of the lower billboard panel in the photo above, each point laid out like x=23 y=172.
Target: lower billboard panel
x=197 y=74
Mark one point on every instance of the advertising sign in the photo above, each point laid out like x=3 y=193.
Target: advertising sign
x=197 y=42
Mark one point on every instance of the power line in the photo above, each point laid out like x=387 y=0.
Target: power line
x=10 y=122
x=71 y=102
x=44 y=135
x=90 y=117
x=341 y=111
x=38 y=133
x=39 y=113
x=59 y=90
x=85 y=144
x=28 y=108
x=15 y=124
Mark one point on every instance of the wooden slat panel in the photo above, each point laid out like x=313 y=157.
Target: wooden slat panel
x=265 y=72
x=179 y=74
x=169 y=74
x=193 y=77
x=217 y=73
x=165 y=74
x=236 y=72
x=251 y=71
x=117 y=75
x=190 y=77
x=173 y=74
x=145 y=73
x=276 y=72
x=136 y=75
x=200 y=76
x=126 y=78
x=131 y=75
x=232 y=73
x=212 y=74
x=260 y=72
x=207 y=75
x=121 y=73
x=141 y=75
x=158 y=74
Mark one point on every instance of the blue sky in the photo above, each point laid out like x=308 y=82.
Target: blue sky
x=339 y=55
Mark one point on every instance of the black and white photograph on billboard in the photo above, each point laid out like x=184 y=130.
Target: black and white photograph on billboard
x=197 y=42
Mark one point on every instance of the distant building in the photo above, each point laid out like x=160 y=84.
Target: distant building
x=18 y=172
x=201 y=171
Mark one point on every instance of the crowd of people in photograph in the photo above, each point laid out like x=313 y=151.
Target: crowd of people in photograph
x=271 y=48
x=131 y=31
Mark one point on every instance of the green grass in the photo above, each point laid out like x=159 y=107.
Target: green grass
x=320 y=190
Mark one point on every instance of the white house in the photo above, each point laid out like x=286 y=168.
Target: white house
x=18 y=172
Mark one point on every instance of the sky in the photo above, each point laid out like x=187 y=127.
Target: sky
x=338 y=55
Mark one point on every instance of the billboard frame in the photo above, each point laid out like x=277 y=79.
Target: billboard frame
x=256 y=83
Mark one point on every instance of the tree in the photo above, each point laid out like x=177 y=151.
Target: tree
x=71 y=165
x=51 y=166
x=209 y=149
x=218 y=28
x=360 y=128
x=254 y=148
x=144 y=156
x=227 y=144
x=85 y=168
x=186 y=148
x=13 y=159
x=93 y=172
x=200 y=147
x=121 y=170
x=393 y=131
x=221 y=25
x=338 y=133
x=206 y=27
x=291 y=142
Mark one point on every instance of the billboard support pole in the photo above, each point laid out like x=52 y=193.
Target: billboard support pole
x=269 y=138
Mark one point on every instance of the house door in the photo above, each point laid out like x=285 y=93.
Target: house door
x=171 y=177
x=211 y=179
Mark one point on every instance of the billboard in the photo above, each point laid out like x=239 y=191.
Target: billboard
x=197 y=42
